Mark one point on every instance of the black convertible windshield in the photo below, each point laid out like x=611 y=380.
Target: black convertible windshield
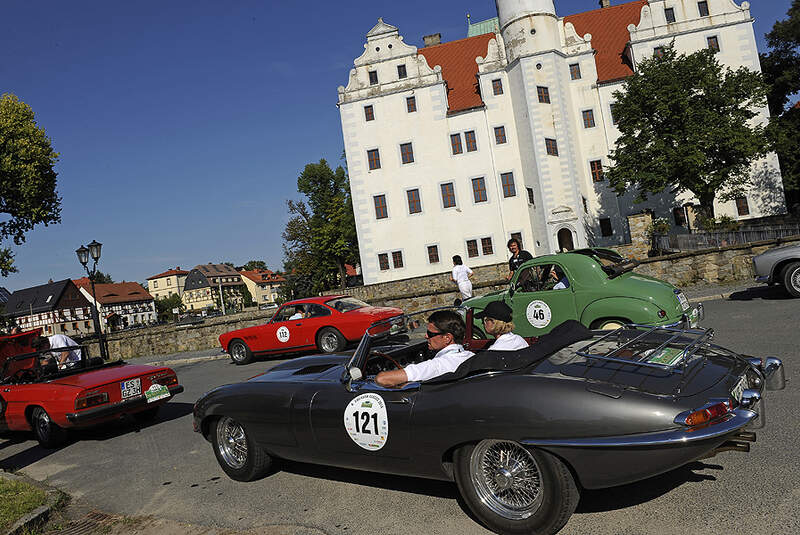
x=346 y=304
x=613 y=263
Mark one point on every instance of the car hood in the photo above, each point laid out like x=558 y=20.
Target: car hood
x=780 y=251
x=648 y=288
x=376 y=312
x=105 y=375
x=311 y=368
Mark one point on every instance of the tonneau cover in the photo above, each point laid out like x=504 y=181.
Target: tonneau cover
x=565 y=334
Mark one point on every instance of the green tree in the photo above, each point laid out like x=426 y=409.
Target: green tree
x=320 y=236
x=253 y=265
x=781 y=67
x=685 y=125
x=28 y=194
x=247 y=297
x=103 y=278
x=165 y=305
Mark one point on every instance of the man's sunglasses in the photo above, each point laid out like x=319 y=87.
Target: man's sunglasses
x=431 y=334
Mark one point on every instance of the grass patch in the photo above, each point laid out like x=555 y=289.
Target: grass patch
x=17 y=499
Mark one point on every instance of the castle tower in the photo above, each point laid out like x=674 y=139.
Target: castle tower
x=528 y=26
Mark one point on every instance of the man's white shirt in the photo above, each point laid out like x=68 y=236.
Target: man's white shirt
x=58 y=341
x=461 y=273
x=508 y=342
x=446 y=360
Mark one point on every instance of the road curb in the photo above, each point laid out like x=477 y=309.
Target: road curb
x=191 y=360
x=38 y=516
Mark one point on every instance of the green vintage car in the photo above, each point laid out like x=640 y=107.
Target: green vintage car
x=594 y=286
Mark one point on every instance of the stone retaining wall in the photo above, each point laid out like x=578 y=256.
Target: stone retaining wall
x=169 y=339
x=725 y=264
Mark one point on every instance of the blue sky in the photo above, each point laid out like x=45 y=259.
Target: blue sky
x=183 y=125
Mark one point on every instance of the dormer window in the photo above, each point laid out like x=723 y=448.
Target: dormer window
x=373 y=77
x=702 y=7
x=401 y=72
x=669 y=13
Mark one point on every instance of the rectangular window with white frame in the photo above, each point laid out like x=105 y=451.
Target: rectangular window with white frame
x=406 y=153
x=702 y=8
x=433 y=254
x=448 y=195
x=669 y=14
x=499 y=135
x=713 y=43
x=411 y=104
x=507 y=182
x=479 y=190
x=397 y=259
x=470 y=141
x=455 y=144
x=414 y=201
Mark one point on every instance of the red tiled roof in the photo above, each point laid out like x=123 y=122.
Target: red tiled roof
x=118 y=292
x=169 y=273
x=609 y=29
x=457 y=59
x=265 y=275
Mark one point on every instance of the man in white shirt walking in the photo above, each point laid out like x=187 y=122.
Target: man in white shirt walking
x=445 y=335
x=461 y=275
x=497 y=320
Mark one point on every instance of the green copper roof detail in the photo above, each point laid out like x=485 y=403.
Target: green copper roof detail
x=484 y=26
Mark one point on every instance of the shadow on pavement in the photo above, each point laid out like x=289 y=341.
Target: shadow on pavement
x=769 y=293
x=426 y=487
x=168 y=412
x=106 y=431
x=594 y=501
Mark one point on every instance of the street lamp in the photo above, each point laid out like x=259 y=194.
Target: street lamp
x=83 y=257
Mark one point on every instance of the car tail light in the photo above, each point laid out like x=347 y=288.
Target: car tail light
x=662 y=314
x=707 y=413
x=165 y=378
x=90 y=400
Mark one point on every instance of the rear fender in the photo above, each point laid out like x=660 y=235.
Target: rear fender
x=635 y=310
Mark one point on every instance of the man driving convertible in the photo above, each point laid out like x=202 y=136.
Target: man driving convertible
x=445 y=335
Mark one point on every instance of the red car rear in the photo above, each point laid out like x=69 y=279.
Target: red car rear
x=326 y=323
x=47 y=400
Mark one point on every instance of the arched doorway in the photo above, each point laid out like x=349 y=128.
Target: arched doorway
x=565 y=242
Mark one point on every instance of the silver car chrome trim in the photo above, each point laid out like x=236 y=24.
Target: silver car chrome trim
x=752 y=400
x=774 y=373
x=737 y=420
x=762 y=278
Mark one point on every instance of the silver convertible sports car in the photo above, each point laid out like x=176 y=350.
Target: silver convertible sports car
x=520 y=432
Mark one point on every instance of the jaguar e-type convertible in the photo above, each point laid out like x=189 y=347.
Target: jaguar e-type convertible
x=520 y=432
x=37 y=395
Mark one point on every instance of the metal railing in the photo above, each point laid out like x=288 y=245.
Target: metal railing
x=707 y=240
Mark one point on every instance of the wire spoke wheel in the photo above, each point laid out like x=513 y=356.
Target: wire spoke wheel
x=232 y=443
x=506 y=478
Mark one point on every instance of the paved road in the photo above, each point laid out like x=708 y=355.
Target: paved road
x=165 y=469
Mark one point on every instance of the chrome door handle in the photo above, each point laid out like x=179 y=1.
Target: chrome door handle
x=297 y=324
x=404 y=401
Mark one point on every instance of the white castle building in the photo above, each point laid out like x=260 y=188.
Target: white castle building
x=456 y=147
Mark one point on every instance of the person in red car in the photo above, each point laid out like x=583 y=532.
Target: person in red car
x=65 y=358
x=445 y=334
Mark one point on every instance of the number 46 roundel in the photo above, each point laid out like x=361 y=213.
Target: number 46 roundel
x=366 y=422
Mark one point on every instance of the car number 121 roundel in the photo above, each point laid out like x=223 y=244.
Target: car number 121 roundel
x=366 y=422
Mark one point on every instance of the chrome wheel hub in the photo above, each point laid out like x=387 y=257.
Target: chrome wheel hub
x=237 y=352
x=506 y=478
x=329 y=342
x=232 y=443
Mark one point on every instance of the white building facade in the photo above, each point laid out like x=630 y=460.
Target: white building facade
x=457 y=147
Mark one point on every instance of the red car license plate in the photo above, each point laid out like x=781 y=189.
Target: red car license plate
x=130 y=388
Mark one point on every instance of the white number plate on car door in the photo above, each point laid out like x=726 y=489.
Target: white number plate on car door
x=130 y=388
